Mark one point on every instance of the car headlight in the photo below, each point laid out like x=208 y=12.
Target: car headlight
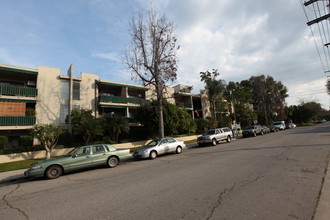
x=34 y=167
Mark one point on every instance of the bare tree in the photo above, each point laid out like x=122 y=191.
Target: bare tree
x=152 y=54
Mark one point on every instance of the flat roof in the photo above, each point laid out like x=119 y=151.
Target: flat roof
x=19 y=69
x=104 y=82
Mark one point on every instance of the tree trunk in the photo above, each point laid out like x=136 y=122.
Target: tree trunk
x=161 y=118
x=48 y=152
x=160 y=111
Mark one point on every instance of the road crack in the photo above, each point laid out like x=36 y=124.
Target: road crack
x=226 y=191
x=220 y=197
x=4 y=198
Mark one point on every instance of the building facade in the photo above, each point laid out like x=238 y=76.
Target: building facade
x=44 y=95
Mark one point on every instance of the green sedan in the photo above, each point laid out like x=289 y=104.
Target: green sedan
x=79 y=158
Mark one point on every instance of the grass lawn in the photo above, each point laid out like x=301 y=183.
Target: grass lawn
x=17 y=165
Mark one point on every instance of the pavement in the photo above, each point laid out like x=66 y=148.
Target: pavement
x=322 y=210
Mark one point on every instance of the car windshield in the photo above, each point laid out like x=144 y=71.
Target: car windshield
x=277 y=123
x=72 y=152
x=210 y=132
x=152 y=143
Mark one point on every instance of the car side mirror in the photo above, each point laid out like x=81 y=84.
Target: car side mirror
x=74 y=156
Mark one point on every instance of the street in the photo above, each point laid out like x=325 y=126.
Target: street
x=274 y=176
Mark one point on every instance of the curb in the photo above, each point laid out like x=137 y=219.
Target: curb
x=12 y=176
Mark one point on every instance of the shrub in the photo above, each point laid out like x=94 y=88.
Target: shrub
x=3 y=142
x=30 y=112
x=25 y=141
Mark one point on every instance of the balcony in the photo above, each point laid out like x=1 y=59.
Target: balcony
x=17 y=120
x=18 y=91
x=188 y=106
x=122 y=100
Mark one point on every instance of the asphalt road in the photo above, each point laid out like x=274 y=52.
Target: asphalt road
x=274 y=176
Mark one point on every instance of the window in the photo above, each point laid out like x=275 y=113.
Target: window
x=171 y=140
x=65 y=90
x=64 y=112
x=98 y=149
x=110 y=148
x=76 y=91
x=83 y=151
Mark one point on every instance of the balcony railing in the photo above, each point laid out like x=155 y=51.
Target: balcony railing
x=17 y=120
x=188 y=105
x=18 y=91
x=122 y=100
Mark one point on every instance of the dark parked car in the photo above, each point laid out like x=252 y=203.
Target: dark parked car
x=273 y=128
x=252 y=130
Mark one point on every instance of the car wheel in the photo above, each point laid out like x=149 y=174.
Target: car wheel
x=214 y=142
x=113 y=161
x=254 y=134
x=179 y=150
x=53 y=172
x=153 y=155
x=228 y=139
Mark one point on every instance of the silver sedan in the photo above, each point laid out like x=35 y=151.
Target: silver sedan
x=160 y=146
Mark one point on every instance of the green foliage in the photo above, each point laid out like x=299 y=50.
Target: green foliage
x=204 y=124
x=30 y=112
x=3 y=142
x=114 y=125
x=306 y=112
x=148 y=116
x=268 y=98
x=85 y=124
x=25 y=141
x=48 y=135
x=176 y=120
x=214 y=87
x=226 y=121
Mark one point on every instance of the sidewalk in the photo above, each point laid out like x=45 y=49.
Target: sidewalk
x=323 y=206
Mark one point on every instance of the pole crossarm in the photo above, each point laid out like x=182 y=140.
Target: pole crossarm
x=318 y=19
x=310 y=2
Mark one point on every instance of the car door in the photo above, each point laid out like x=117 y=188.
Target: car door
x=81 y=159
x=99 y=155
x=218 y=134
x=163 y=147
x=172 y=144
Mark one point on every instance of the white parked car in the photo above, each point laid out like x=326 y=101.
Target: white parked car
x=160 y=146
x=280 y=125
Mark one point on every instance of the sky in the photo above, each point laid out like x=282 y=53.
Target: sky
x=239 y=38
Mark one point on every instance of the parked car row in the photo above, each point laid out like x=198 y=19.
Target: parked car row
x=89 y=156
x=255 y=130
x=105 y=154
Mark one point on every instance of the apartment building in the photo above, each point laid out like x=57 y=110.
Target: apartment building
x=18 y=98
x=120 y=98
x=45 y=95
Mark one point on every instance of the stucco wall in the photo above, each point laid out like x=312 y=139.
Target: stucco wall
x=48 y=100
x=88 y=97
